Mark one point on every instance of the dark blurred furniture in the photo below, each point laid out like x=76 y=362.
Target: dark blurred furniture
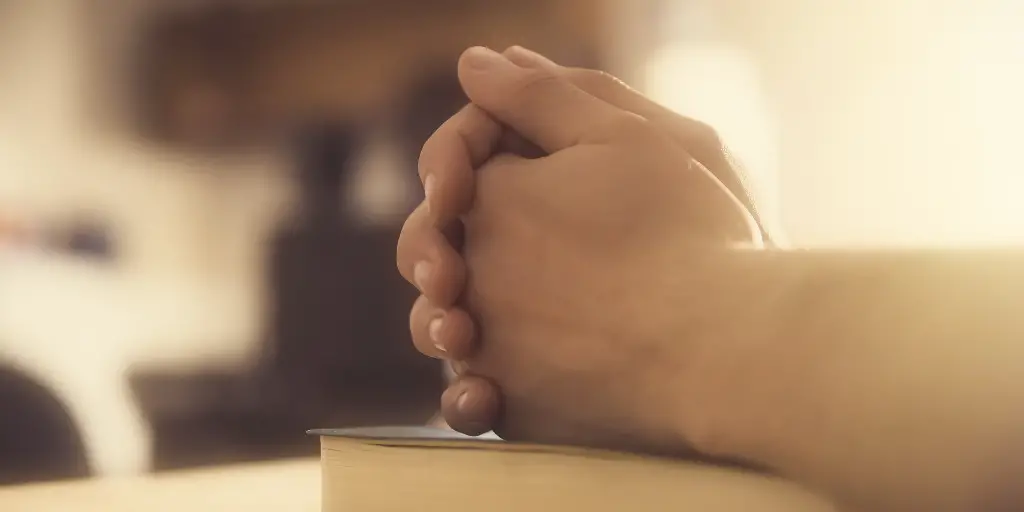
x=338 y=350
x=38 y=439
x=233 y=74
x=340 y=324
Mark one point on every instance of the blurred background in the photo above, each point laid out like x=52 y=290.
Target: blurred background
x=199 y=199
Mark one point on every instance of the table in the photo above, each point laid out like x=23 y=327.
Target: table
x=292 y=486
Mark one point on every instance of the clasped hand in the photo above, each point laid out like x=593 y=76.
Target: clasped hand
x=572 y=253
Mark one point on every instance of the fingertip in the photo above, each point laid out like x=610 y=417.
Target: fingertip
x=536 y=101
x=408 y=250
x=439 y=333
x=448 y=194
x=434 y=328
x=471 y=405
x=528 y=59
x=423 y=275
x=449 y=158
x=431 y=263
x=429 y=193
x=478 y=69
x=453 y=334
x=481 y=58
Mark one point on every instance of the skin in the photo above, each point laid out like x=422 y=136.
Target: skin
x=478 y=137
x=618 y=295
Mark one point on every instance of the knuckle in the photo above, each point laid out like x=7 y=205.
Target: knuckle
x=430 y=149
x=402 y=250
x=410 y=240
x=422 y=161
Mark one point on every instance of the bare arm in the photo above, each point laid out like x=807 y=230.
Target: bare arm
x=894 y=380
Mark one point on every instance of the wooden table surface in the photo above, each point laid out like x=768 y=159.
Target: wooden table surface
x=288 y=486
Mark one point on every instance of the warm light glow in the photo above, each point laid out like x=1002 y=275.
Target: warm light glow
x=991 y=60
x=923 y=138
x=717 y=84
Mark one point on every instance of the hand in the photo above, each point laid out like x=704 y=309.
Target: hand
x=679 y=206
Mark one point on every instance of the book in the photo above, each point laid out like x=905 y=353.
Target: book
x=428 y=469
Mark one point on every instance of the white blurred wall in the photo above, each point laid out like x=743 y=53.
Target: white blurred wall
x=188 y=289
x=897 y=119
x=188 y=228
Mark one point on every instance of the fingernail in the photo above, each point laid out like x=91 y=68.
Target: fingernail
x=434 y=329
x=428 y=189
x=483 y=58
x=526 y=56
x=420 y=274
x=462 y=401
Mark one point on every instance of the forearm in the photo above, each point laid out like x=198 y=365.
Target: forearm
x=892 y=379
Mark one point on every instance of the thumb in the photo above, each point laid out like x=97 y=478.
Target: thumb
x=540 y=104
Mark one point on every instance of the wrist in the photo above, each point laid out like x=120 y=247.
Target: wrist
x=750 y=364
